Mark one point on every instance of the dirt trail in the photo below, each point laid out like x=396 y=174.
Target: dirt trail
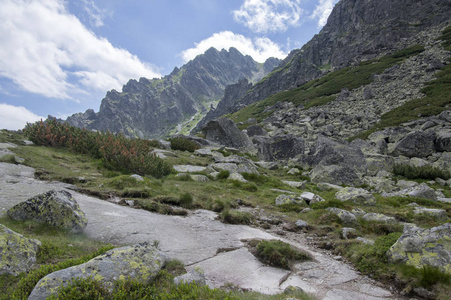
x=199 y=240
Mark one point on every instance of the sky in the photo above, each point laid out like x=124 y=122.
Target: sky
x=59 y=57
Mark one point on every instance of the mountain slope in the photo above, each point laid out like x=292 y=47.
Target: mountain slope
x=152 y=108
x=356 y=31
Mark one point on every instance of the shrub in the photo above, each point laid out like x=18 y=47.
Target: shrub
x=277 y=253
x=328 y=203
x=183 y=144
x=422 y=172
x=223 y=174
x=431 y=275
x=236 y=217
x=247 y=186
x=137 y=192
x=116 y=151
x=10 y=159
x=186 y=200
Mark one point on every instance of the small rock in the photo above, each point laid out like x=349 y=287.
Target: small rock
x=348 y=233
x=365 y=241
x=284 y=199
x=311 y=198
x=296 y=184
x=301 y=224
x=188 y=168
x=356 y=195
x=237 y=176
x=375 y=217
x=196 y=276
x=439 y=214
x=344 y=215
x=294 y=171
x=137 y=177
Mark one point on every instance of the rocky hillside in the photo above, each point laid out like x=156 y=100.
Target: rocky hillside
x=356 y=31
x=153 y=108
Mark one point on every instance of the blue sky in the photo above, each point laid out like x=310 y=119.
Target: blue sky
x=61 y=57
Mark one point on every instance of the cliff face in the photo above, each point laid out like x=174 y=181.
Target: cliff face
x=151 y=108
x=356 y=30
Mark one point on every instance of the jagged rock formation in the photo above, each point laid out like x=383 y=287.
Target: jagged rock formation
x=152 y=108
x=355 y=31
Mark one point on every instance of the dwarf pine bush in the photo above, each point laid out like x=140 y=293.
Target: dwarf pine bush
x=422 y=172
x=116 y=151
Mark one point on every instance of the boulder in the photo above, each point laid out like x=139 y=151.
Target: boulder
x=17 y=253
x=417 y=191
x=419 y=247
x=140 y=262
x=311 y=198
x=348 y=233
x=345 y=216
x=443 y=141
x=439 y=214
x=301 y=224
x=281 y=147
x=237 y=177
x=381 y=218
x=336 y=174
x=256 y=130
x=224 y=132
x=189 y=168
x=284 y=199
x=196 y=276
x=137 y=177
x=356 y=195
x=296 y=184
x=415 y=144
x=235 y=163
x=336 y=162
x=55 y=208
x=199 y=178
x=444 y=162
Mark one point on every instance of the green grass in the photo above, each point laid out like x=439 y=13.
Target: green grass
x=167 y=195
x=320 y=91
x=236 y=217
x=277 y=253
x=161 y=288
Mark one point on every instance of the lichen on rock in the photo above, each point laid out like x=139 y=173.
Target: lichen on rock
x=17 y=253
x=140 y=262
x=418 y=247
x=55 y=208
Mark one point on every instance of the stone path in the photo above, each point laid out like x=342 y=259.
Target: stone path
x=199 y=240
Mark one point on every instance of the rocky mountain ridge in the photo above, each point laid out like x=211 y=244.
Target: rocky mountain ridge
x=356 y=31
x=152 y=108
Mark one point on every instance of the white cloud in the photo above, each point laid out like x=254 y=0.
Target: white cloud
x=269 y=15
x=47 y=51
x=322 y=11
x=16 y=117
x=95 y=14
x=260 y=48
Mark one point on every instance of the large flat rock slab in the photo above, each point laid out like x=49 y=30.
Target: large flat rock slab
x=200 y=240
